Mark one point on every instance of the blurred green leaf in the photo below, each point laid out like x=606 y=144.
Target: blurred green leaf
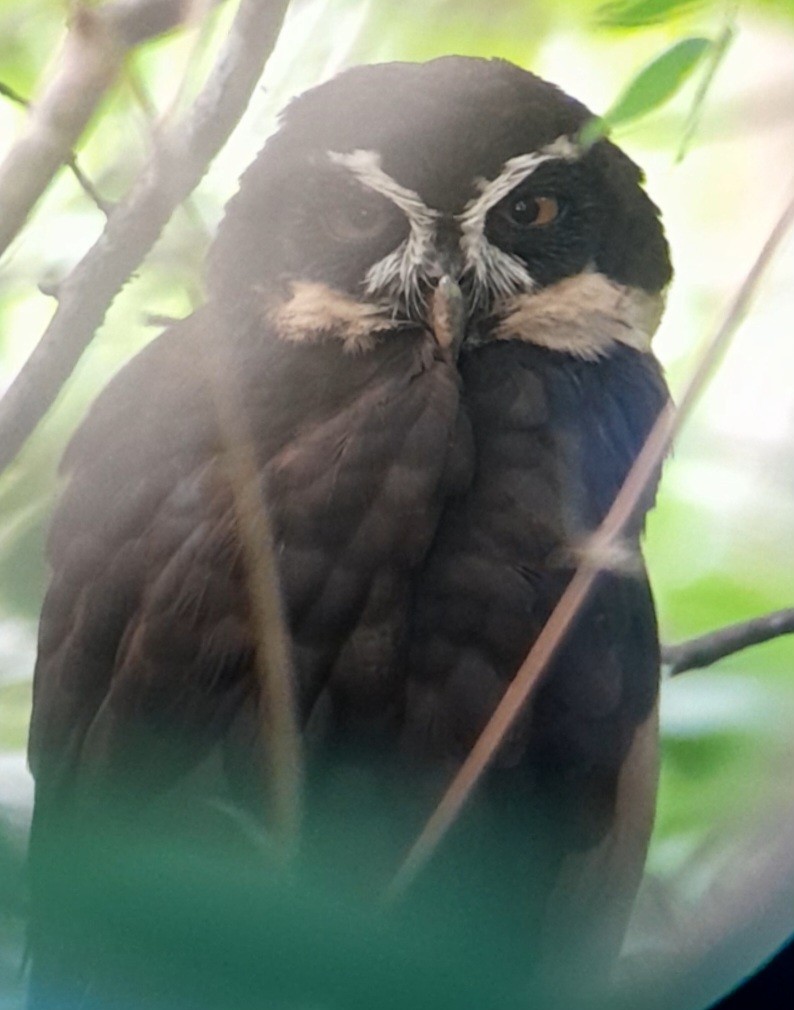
x=29 y=33
x=12 y=910
x=511 y=29
x=14 y=713
x=638 y=13
x=658 y=81
x=717 y=54
x=783 y=7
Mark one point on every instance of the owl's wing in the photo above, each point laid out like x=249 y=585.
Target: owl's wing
x=141 y=629
x=555 y=438
x=142 y=618
x=146 y=646
x=145 y=626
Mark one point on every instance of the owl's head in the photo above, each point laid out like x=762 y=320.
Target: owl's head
x=388 y=178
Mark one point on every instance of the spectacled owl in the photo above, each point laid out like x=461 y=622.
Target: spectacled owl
x=435 y=307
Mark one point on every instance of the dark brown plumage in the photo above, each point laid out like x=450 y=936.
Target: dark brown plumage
x=429 y=486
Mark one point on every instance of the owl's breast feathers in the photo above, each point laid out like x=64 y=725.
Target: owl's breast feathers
x=555 y=438
x=429 y=317
x=568 y=805
x=145 y=626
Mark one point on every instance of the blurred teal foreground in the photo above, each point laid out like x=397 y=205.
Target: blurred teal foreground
x=189 y=927
x=189 y=908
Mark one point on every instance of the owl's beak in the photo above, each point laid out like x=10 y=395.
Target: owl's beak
x=448 y=314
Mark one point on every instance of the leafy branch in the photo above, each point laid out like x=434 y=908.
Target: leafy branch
x=658 y=81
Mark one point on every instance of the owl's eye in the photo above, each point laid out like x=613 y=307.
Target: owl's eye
x=532 y=211
x=358 y=220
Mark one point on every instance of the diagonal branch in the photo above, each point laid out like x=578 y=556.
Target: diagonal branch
x=176 y=166
x=137 y=21
x=280 y=732
x=70 y=159
x=97 y=42
x=603 y=545
x=707 y=649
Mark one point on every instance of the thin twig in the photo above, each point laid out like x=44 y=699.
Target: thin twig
x=153 y=120
x=704 y=650
x=97 y=42
x=603 y=544
x=174 y=170
x=71 y=159
x=715 y=58
x=283 y=775
x=106 y=206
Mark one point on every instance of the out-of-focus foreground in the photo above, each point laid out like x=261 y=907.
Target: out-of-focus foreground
x=718 y=543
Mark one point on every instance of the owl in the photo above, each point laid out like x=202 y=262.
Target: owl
x=434 y=307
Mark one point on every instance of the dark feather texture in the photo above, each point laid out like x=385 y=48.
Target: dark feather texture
x=430 y=495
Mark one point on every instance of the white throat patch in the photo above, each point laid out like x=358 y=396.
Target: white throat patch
x=584 y=316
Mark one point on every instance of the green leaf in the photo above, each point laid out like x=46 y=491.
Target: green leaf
x=638 y=13
x=15 y=712
x=720 y=47
x=658 y=81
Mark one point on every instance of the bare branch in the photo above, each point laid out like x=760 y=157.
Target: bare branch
x=606 y=538
x=71 y=159
x=707 y=649
x=137 y=21
x=88 y=187
x=174 y=170
x=96 y=44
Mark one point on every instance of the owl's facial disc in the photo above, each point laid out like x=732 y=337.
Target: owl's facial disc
x=456 y=246
x=524 y=252
x=388 y=178
x=514 y=261
x=497 y=269
x=395 y=280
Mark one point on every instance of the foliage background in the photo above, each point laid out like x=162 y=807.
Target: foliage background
x=721 y=540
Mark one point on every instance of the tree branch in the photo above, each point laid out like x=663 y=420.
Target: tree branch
x=97 y=42
x=175 y=168
x=707 y=649
x=281 y=739
x=605 y=543
x=71 y=158
x=137 y=21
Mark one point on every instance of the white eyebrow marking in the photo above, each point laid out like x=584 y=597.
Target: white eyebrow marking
x=494 y=270
x=497 y=274
x=514 y=172
x=397 y=273
x=366 y=167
